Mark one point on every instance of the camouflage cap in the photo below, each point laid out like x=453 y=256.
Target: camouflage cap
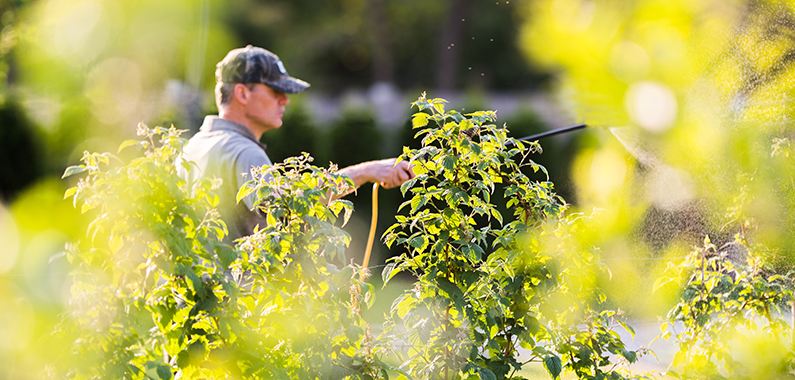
x=253 y=64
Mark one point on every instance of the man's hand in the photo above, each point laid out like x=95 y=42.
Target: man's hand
x=387 y=172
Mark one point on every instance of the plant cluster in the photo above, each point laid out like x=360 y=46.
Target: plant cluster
x=731 y=319
x=731 y=315
x=491 y=298
x=149 y=280
x=157 y=294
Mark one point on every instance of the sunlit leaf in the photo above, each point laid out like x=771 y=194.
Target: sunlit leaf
x=419 y=120
x=72 y=170
x=247 y=189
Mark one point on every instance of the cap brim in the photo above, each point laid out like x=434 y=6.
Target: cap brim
x=289 y=85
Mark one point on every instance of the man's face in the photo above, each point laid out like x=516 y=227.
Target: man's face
x=266 y=107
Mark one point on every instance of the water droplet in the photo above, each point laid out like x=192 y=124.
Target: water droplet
x=470 y=68
x=463 y=19
x=492 y=40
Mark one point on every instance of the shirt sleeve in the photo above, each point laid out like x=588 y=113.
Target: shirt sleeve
x=249 y=159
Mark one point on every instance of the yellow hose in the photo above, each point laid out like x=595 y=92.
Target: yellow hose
x=371 y=238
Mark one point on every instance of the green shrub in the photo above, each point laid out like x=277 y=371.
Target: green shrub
x=471 y=315
x=157 y=294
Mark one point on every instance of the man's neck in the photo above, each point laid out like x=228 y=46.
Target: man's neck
x=238 y=118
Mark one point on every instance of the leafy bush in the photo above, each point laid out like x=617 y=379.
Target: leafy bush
x=487 y=295
x=158 y=294
x=732 y=302
x=149 y=288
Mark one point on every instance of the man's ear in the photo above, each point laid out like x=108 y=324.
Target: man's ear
x=241 y=93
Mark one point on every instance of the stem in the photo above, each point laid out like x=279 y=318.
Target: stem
x=226 y=345
x=446 y=348
x=703 y=270
x=745 y=237
x=792 y=323
x=509 y=344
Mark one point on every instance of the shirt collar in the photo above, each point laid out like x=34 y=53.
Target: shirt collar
x=216 y=123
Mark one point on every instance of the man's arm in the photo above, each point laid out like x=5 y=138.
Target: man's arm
x=386 y=173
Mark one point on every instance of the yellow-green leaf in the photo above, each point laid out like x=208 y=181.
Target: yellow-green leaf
x=72 y=170
x=419 y=120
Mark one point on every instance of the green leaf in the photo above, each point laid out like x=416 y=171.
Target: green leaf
x=662 y=281
x=449 y=162
x=69 y=192
x=418 y=201
x=246 y=190
x=553 y=365
x=388 y=272
x=196 y=283
x=72 y=170
x=127 y=144
x=493 y=331
x=627 y=327
x=403 y=304
x=631 y=356
x=450 y=289
x=417 y=242
x=407 y=185
x=486 y=374
x=419 y=120
x=438 y=105
x=226 y=255
x=496 y=214
x=157 y=371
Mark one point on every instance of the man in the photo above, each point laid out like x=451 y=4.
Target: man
x=251 y=94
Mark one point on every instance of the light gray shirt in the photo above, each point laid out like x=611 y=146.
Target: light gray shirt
x=227 y=150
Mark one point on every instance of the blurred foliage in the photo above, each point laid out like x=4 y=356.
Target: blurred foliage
x=354 y=138
x=86 y=70
x=156 y=293
x=33 y=283
x=686 y=98
x=733 y=315
x=338 y=44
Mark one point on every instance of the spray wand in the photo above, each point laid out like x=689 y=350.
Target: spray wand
x=553 y=132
